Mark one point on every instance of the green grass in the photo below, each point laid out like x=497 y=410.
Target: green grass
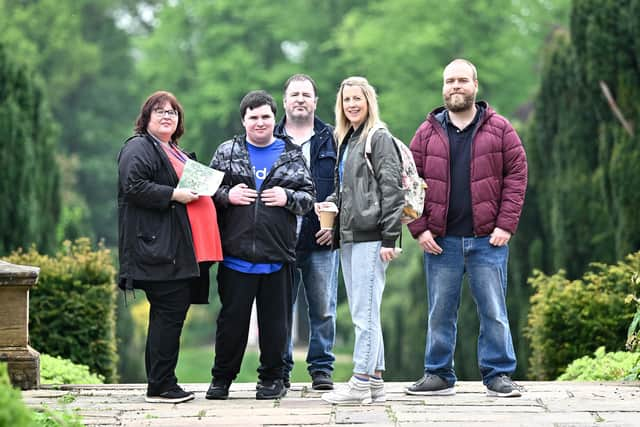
x=194 y=366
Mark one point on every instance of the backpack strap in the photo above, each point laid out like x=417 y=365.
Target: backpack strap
x=367 y=143
x=367 y=156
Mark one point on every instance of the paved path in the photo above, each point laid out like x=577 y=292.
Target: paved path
x=560 y=404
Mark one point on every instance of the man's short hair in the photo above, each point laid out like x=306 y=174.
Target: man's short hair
x=300 y=78
x=469 y=63
x=255 y=99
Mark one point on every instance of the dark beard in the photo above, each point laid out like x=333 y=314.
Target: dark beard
x=457 y=107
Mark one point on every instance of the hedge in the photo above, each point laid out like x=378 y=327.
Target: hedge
x=603 y=366
x=570 y=319
x=12 y=411
x=56 y=370
x=72 y=308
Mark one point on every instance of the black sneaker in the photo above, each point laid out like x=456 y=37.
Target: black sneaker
x=174 y=395
x=321 y=380
x=431 y=385
x=503 y=386
x=218 y=390
x=271 y=389
x=286 y=382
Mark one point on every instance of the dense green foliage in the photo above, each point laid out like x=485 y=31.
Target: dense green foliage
x=87 y=67
x=56 y=370
x=12 y=411
x=29 y=184
x=45 y=417
x=572 y=318
x=584 y=167
x=603 y=366
x=633 y=334
x=225 y=56
x=72 y=308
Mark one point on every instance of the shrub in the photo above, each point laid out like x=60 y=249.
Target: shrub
x=56 y=370
x=633 y=334
x=72 y=309
x=48 y=418
x=572 y=318
x=12 y=411
x=613 y=366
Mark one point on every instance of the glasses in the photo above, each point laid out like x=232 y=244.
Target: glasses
x=161 y=113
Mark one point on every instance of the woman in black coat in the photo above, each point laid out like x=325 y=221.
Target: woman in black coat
x=168 y=237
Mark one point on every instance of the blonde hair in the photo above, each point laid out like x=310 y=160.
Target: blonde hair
x=342 y=123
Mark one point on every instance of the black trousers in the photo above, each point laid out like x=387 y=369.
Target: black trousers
x=237 y=291
x=169 y=302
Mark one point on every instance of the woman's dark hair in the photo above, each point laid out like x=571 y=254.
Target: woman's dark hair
x=158 y=99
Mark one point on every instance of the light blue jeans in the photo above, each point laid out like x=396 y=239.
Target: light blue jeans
x=486 y=267
x=364 y=276
x=317 y=271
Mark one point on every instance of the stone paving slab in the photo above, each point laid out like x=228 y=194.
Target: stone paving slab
x=558 y=404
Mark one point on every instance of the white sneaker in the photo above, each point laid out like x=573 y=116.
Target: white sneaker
x=377 y=390
x=357 y=392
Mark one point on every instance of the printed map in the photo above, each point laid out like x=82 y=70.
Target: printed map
x=200 y=178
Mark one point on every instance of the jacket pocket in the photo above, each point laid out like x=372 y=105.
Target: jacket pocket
x=155 y=241
x=366 y=206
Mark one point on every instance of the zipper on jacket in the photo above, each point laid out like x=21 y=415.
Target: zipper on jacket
x=472 y=148
x=255 y=225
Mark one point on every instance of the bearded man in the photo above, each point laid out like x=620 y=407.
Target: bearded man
x=476 y=170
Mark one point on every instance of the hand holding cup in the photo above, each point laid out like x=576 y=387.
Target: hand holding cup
x=326 y=212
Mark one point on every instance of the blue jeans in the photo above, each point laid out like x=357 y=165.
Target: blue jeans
x=364 y=276
x=486 y=267
x=317 y=271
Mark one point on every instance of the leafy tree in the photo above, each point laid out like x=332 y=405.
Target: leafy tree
x=30 y=181
x=86 y=63
x=584 y=166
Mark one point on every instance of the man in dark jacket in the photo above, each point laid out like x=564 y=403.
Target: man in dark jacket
x=476 y=170
x=266 y=184
x=316 y=262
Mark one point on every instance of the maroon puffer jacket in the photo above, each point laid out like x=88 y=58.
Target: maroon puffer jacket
x=498 y=174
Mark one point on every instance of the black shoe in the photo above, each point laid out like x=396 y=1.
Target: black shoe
x=218 y=390
x=175 y=395
x=286 y=382
x=271 y=389
x=321 y=380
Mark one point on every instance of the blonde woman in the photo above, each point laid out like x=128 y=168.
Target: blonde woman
x=368 y=224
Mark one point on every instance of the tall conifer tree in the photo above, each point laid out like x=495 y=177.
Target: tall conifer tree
x=29 y=187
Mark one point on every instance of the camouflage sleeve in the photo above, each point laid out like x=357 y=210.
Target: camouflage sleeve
x=221 y=198
x=301 y=195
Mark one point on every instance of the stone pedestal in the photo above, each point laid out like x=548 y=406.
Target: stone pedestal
x=23 y=361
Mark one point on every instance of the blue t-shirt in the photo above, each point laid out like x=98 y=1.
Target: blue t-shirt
x=262 y=159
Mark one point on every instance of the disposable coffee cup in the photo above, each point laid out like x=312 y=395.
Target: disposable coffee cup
x=327 y=217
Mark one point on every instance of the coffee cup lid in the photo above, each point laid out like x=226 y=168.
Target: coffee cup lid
x=331 y=208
